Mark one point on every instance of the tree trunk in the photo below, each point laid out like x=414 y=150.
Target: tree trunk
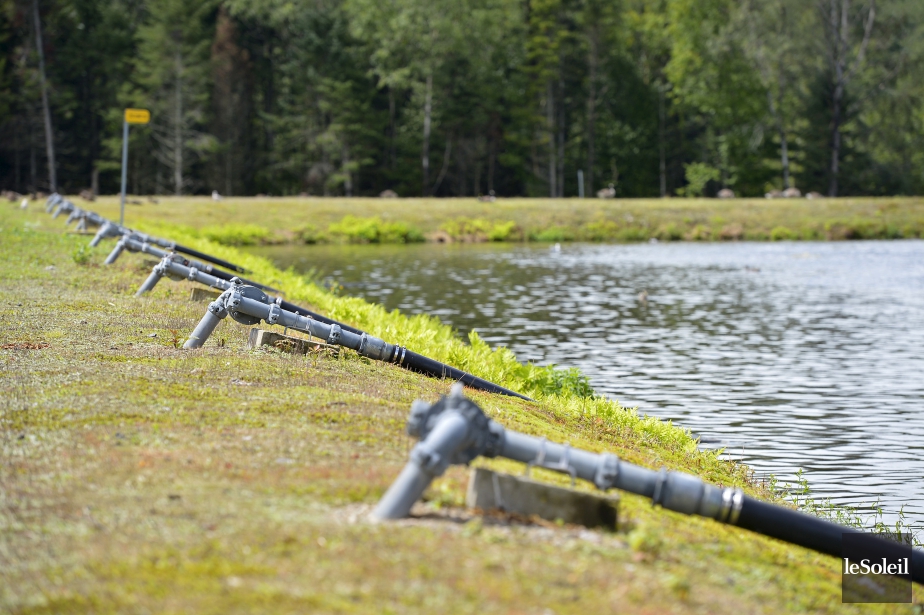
x=17 y=163
x=229 y=172
x=348 y=178
x=391 y=128
x=178 y=129
x=835 y=143
x=33 y=167
x=784 y=156
x=591 y=113
x=492 y=158
x=49 y=136
x=476 y=184
x=425 y=158
x=784 y=142
x=839 y=32
x=662 y=158
x=445 y=167
x=94 y=182
x=561 y=140
x=550 y=119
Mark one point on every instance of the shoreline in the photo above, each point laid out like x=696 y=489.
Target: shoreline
x=247 y=221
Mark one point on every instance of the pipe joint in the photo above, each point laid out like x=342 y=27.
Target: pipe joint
x=274 y=313
x=484 y=438
x=334 y=337
x=428 y=460
x=685 y=493
x=218 y=308
x=374 y=348
x=607 y=472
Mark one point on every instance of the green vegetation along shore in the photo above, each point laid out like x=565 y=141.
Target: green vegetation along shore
x=268 y=220
x=139 y=477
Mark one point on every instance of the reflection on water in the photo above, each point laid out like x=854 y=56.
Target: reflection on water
x=791 y=355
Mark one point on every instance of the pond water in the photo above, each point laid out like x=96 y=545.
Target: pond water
x=788 y=355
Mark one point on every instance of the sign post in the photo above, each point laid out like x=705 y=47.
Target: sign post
x=132 y=116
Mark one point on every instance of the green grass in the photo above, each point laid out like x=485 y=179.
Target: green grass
x=255 y=220
x=138 y=477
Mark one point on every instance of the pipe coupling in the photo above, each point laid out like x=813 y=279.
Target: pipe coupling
x=732 y=499
x=428 y=460
x=217 y=308
x=373 y=347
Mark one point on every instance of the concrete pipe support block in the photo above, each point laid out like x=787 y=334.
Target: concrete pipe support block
x=490 y=490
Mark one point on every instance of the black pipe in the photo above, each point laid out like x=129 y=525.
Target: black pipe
x=426 y=365
x=414 y=361
x=227 y=277
x=208 y=257
x=814 y=533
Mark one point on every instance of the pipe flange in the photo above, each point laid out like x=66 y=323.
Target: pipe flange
x=239 y=292
x=485 y=437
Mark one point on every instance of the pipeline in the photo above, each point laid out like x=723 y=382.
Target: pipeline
x=173 y=266
x=176 y=267
x=57 y=205
x=455 y=430
x=249 y=305
x=111 y=229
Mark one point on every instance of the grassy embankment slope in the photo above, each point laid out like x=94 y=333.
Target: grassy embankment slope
x=138 y=477
x=237 y=221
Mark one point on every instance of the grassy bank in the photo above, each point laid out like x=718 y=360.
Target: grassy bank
x=135 y=476
x=248 y=221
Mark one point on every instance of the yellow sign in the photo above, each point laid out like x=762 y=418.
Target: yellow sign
x=137 y=116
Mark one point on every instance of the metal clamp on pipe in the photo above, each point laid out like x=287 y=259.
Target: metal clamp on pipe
x=249 y=305
x=455 y=431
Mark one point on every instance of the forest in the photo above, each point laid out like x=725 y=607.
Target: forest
x=464 y=97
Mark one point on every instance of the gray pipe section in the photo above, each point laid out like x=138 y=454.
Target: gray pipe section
x=455 y=430
x=116 y=251
x=156 y=274
x=52 y=200
x=169 y=265
x=365 y=344
x=240 y=307
x=108 y=229
x=429 y=459
x=214 y=315
x=177 y=267
x=133 y=243
x=64 y=206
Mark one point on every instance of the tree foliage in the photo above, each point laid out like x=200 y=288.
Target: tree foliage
x=466 y=97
